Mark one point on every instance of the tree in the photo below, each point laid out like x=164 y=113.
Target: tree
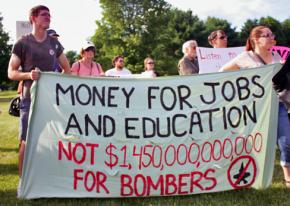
x=286 y=31
x=131 y=28
x=185 y=26
x=246 y=29
x=275 y=27
x=213 y=23
x=281 y=30
x=72 y=56
x=5 y=49
x=137 y=29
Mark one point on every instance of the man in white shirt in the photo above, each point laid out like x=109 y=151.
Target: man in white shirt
x=119 y=69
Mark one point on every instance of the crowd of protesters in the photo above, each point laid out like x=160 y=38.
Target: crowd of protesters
x=24 y=67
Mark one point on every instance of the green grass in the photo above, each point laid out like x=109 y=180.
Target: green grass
x=276 y=194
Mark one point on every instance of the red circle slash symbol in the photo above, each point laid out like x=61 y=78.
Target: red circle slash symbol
x=242 y=172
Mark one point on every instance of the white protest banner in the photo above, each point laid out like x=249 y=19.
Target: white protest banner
x=211 y=59
x=22 y=28
x=179 y=135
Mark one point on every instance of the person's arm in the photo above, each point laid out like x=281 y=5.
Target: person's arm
x=64 y=63
x=229 y=67
x=102 y=73
x=187 y=68
x=14 y=74
x=75 y=68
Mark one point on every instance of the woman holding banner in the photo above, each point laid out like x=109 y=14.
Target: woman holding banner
x=257 y=54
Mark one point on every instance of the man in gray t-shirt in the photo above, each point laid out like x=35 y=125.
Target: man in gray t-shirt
x=35 y=50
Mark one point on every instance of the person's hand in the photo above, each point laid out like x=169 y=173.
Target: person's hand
x=35 y=74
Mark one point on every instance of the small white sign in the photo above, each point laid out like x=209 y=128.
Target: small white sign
x=212 y=59
x=22 y=28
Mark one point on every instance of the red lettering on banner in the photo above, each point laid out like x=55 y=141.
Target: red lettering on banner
x=126 y=181
x=210 y=56
x=212 y=179
x=169 y=184
x=182 y=183
x=196 y=177
x=159 y=183
x=141 y=185
x=90 y=180
x=77 y=152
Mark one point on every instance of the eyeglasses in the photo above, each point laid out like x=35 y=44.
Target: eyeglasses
x=45 y=14
x=272 y=36
x=150 y=63
x=223 y=37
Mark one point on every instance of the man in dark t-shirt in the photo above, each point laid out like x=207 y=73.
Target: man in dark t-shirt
x=33 y=52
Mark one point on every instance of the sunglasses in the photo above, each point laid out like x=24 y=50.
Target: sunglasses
x=90 y=49
x=272 y=36
x=150 y=63
x=222 y=37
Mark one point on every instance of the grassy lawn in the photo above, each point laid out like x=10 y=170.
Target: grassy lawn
x=276 y=194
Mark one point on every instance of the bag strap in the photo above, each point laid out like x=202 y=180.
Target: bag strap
x=79 y=67
x=92 y=64
x=98 y=67
x=260 y=58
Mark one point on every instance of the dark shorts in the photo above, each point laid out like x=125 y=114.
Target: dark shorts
x=24 y=114
x=284 y=136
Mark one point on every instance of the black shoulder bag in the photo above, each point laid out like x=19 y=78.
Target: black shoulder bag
x=14 y=107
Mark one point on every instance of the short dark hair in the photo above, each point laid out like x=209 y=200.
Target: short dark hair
x=34 y=11
x=116 y=58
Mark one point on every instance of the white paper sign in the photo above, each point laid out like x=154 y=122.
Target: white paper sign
x=22 y=28
x=211 y=59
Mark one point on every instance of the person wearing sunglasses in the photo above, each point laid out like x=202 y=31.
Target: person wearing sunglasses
x=188 y=64
x=218 y=39
x=149 y=65
x=258 y=46
x=119 y=69
x=87 y=66
x=257 y=54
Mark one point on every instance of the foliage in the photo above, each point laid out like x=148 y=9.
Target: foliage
x=245 y=31
x=183 y=26
x=72 y=56
x=137 y=29
x=213 y=23
x=276 y=28
x=5 y=49
x=286 y=31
